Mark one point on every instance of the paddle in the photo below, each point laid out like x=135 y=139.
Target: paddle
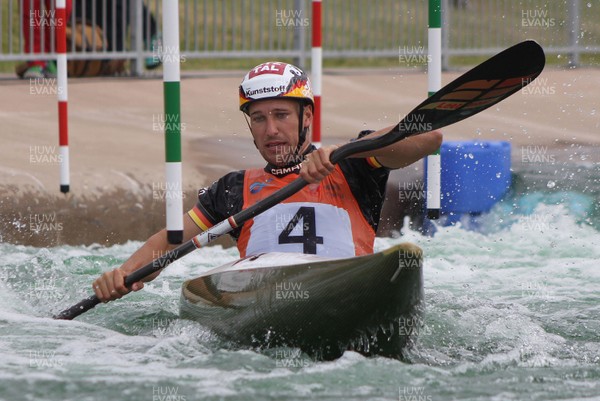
x=476 y=90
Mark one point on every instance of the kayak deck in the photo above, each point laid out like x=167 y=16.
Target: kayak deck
x=323 y=307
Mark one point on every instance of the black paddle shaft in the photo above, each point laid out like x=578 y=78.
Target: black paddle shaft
x=479 y=88
x=138 y=275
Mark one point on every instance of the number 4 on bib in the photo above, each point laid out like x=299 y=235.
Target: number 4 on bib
x=309 y=238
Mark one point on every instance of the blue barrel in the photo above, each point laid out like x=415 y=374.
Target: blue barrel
x=475 y=175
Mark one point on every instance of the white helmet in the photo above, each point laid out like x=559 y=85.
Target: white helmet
x=273 y=80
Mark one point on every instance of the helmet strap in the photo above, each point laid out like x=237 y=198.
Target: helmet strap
x=302 y=130
x=249 y=128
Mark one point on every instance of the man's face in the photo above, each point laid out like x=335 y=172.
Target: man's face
x=274 y=126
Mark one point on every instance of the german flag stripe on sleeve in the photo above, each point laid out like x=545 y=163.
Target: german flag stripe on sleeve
x=373 y=162
x=199 y=218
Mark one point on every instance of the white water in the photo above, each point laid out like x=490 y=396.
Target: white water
x=511 y=314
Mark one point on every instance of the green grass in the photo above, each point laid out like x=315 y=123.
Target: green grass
x=244 y=64
x=361 y=24
x=503 y=22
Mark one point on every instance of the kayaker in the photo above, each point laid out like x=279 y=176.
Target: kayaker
x=337 y=215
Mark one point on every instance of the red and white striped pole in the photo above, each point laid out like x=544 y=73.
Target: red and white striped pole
x=61 y=89
x=317 y=70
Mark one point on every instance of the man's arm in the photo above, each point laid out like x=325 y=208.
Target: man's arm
x=111 y=285
x=400 y=154
x=405 y=152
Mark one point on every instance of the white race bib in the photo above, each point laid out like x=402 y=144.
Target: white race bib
x=302 y=227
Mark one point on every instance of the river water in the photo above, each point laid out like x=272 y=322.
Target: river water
x=512 y=313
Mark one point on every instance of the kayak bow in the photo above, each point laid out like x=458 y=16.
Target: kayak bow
x=368 y=304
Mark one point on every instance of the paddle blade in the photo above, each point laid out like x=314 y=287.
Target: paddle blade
x=477 y=89
x=485 y=85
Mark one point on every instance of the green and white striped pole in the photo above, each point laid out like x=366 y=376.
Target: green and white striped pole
x=172 y=120
x=434 y=78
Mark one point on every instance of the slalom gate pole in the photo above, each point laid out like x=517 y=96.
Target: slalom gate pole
x=434 y=77
x=172 y=121
x=61 y=89
x=317 y=69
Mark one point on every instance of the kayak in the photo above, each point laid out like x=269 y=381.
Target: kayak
x=368 y=304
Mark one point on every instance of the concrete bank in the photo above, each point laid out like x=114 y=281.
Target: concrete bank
x=117 y=146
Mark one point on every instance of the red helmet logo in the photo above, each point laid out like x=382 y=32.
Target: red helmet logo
x=267 y=68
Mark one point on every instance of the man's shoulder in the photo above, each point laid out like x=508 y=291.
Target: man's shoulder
x=234 y=175
x=233 y=178
x=226 y=183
